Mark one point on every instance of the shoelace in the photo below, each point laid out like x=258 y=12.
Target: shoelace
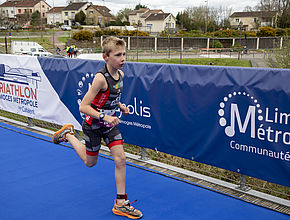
x=127 y=203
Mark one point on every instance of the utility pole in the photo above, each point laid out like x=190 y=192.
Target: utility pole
x=206 y=15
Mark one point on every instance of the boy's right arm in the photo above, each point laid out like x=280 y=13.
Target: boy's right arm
x=99 y=83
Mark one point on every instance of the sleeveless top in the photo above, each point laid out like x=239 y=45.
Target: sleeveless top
x=106 y=101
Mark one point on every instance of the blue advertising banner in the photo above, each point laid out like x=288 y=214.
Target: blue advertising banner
x=232 y=118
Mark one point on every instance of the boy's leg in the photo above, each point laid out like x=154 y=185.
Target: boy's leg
x=80 y=149
x=66 y=133
x=120 y=170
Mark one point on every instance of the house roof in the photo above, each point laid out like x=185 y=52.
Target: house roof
x=30 y=3
x=56 y=9
x=147 y=13
x=142 y=10
x=103 y=10
x=75 y=6
x=264 y=14
x=157 y=17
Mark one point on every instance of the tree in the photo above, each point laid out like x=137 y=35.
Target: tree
x=137 y=7
x=80 y=17
x=35 y=18
x=283 y=8
x=123 y=14
x=281 y=56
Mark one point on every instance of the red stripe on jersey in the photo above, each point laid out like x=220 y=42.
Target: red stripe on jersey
x=101 y=98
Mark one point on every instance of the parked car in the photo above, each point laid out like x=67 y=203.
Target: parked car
x=3 y=28
x=65 y=27
x=26 y=26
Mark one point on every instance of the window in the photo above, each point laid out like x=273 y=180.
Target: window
x=30 y=10
x=66 y=14
x=19 y=10
x=73 y=15
x=237 y=20
x=149 y=26
x=255 y=19
x=91 y=12
x=99 y=19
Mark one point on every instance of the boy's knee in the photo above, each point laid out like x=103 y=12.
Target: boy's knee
x=91 y=164
x=120 y=160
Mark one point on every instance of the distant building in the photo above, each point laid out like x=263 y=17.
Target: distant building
x=160 y=22
x=69 y=12
x=98 y=15
x=152 y=20
x=253 y=20
x=12 y=9
x=54 y=15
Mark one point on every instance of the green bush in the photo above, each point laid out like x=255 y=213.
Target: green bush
x=83 y=35
x=216 y=44
x=117 y=32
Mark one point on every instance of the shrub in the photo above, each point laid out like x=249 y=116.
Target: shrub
x=267 y=31
x=215 y=44
x=83 y=35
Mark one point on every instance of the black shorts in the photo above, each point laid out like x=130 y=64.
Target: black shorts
x=94 y=134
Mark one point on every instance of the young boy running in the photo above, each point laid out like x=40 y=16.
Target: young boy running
x=99 y=105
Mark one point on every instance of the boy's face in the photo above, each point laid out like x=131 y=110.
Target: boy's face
x=116 y=58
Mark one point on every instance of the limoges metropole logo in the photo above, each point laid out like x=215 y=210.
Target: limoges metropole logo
x=265 y=124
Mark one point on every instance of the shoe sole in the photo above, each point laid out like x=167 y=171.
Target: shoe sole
x=61 y=130
x=116 y=212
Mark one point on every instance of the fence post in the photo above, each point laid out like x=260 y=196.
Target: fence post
x=281 y=42
x=143 y=154
x=29 y=122
x=129 y=44
x=258 y=42
x=207 y=45
x=234 y=41
x=155 y=45
x=242 y=184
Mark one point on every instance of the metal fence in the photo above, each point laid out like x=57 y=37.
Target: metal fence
x=195 y=43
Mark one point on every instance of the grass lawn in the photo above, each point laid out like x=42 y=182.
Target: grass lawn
x=201 y=61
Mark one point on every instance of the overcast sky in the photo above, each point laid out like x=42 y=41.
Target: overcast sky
x=168 y=6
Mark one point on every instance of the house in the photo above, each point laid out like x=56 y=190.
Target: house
x=98 y=15
x=253 y=20
x=152 y=20
x=135 y=16
x=69 y=12
x=160 y=22
x=54 y=15
x=12 y=9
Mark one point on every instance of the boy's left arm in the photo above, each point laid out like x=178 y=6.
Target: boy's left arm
x=123 y=108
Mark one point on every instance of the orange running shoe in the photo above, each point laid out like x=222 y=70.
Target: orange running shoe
x=59 y=136
x=126 y=210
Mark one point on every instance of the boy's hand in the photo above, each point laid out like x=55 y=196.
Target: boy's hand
x=114 y=121
x=124 y=110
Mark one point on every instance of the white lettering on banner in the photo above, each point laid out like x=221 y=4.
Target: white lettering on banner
x=265 y=134
x=260 y=151
x=138 y=109
x=136 y=124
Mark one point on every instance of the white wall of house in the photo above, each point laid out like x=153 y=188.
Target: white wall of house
x=8 y=12
x=54 y=18
x=160 y=25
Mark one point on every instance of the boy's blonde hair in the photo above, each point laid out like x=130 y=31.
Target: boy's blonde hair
x=110 y=43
